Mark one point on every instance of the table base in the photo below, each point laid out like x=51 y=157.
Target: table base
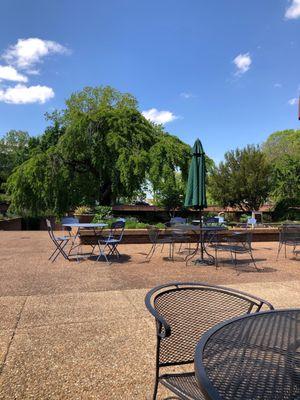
x=203 y=261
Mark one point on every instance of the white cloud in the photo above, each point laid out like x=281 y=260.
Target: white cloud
x=159 y=117
x=293 y=11
x=29 y=52
x=21 y=94
x=187 y=95
x=9 y=73
x=293 y=101
x=242 y=63
x=277 y=85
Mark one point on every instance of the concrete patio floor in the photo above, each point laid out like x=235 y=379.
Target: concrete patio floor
x=74 y=330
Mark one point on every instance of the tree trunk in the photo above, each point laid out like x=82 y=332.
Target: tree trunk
x=105 y=194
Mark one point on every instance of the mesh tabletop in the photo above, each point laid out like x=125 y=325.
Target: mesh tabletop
x=254 y=357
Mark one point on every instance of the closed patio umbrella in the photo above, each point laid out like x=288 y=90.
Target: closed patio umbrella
x=196 y=186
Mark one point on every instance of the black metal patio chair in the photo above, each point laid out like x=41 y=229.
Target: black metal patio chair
x=235 y=243
x=289 y=235
x=183 y=312
x=154 y=232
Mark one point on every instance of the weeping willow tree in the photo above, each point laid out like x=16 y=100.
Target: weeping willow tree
x=98 y=149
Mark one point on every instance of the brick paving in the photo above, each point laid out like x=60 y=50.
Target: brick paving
x=74 y=330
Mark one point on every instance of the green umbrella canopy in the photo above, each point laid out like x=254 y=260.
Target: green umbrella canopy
x=196 y=190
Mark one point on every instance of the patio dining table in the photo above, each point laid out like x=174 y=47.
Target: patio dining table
x=91 y=226
x=202 y=232
x=253 y=357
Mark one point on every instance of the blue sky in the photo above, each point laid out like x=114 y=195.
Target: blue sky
x=225 y=71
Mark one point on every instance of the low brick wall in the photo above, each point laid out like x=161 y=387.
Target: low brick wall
x=14 y=224
x=135 y=236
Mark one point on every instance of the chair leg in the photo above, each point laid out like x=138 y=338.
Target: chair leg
x=102 y=253
x=156 y=384
x=151 y=252
x=172 y=245
x=180 y=247
x=61 y=251
x=285 y=250
x=53 y=254
x=279 y=249
x=253 y=261
x=216 y=257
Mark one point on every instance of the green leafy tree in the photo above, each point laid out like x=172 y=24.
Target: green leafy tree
x=15 y=148
x=286 y=178
x=242 y=180
x=171 y=194
x=280 y=144
x=282 y=149
x=100 y=148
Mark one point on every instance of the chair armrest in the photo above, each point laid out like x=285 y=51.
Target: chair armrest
x=159 y=319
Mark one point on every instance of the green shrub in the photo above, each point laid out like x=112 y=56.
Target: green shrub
x=131 y=223
x=286 y=209
x=135 y=225
x=103 y=211
x=82 y=210
x=244 y=218
x=4 y=197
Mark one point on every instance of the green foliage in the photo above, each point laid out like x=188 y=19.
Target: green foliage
x=82 y=210
x=135 y=225
x=102 y=213
x=51 y=135
x=244 y=217
x=282 y=149
x=14 y=150
x=4 y=197
x=282 y=143
x=171 y=194
x=40 y=185
x=287 y=209
x=286 y=178
x=99 y=149
x=242 y=180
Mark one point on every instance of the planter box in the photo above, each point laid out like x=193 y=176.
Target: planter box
x=13 y=224
x=136 y=236
x=84 y=218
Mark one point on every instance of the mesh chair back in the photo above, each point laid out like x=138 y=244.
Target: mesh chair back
x=50 y=230
x=185 y=311
x=290 y=234
x=153 y=233
x=117 y=230
x=241 y=238
x=177 y=220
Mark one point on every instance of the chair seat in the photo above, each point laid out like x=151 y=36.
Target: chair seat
x=181 y=238
x=166 y=239
x=233 y=248
x=63 y=238
x=183 y=385
x=109 y=241
x=292 y=243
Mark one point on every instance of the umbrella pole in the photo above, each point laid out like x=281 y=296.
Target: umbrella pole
x=201 y=235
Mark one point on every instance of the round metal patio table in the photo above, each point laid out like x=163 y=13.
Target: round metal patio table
x=82 y=225
x=202 y=232
x=253 y=357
